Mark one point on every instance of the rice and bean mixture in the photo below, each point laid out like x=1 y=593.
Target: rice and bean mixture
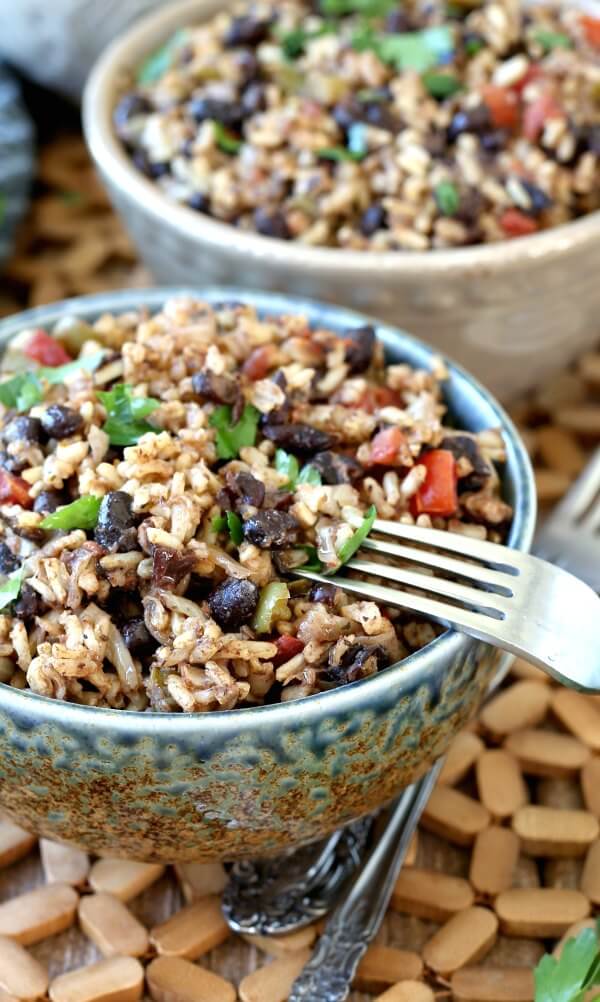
x=375 y=124
x=162 y=476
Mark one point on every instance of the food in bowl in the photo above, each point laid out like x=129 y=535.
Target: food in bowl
x=375 y=125
x=162 y=476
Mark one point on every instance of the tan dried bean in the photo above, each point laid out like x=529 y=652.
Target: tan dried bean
x=551 y=485
x=123 y=878
x=14 y=842
x=589 y=367
x=120 y=979
x=493 y=860
x=20 y=974
x=560 y=450
x=544 y=753
x=192 y=931
x=590 y=785
x=273 y=982
x=282 y=946
x=590 y=878
x=454 y=816
x=493 y=984
x=583 y=419
x=465 y=939
x=546 y=831
x=407 y=991
x=431 y=895
x=500 y=783
x=111 y=926
x=31 y=917
x=540 y=912
x=200 y=879
x=63 y=864
x=524 y=704
x=171 y=979
x=579 y=715
x=385 y=965
x=462 y=755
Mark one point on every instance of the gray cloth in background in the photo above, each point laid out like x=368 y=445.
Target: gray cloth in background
x=56 y=42
x=16 y=159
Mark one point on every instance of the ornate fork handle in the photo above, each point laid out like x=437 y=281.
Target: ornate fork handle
x=329 y=973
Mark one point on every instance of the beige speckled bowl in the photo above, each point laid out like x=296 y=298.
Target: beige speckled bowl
x=512 y=312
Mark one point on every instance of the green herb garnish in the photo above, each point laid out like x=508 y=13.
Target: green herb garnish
x=368 y=8
x=219 y=523
x=80 y=514
x=289 y=466
x=349 y=548
x=313 y=563
x=441 y=85
x=160 y=61
x=125 y=415
x=340 y=154
x=550 y=40
x=294 y=42
x=230 y=438
x=235 y=526
x=474 y=45
x=447 y=198
x=570 y=977
x=416 y=50
x=9 y=590
x=226 y=141
x=25 y=390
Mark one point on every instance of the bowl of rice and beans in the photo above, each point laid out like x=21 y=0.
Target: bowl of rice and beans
x=435 y=164
x=169 y=687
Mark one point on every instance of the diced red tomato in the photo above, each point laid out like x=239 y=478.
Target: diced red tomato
x=591 y=26
x=258 y=363
x=534 y=72
x=538 y=112
x=386 y=447
x=287 y=648
x=437 y=495
x=517 y=224
x=46 y=350
x=503 y=104
x=14 y=490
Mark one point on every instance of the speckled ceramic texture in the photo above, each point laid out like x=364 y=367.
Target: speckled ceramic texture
x=512 y=312
x=255 y=781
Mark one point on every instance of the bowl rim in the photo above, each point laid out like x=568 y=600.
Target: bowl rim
x=417 y=665
x=118 y=60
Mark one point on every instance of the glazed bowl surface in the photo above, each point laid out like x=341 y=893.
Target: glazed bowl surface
x=512 y=312
x=224 y=785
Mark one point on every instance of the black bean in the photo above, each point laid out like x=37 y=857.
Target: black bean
x=272 y=529
x=23 y=429
x=233 y=603
x=355 y=663
x=254 y=99
x=476 y=120
x=471 y=206
x=298 y=437
x=272 y=223
x=592 y=139
x=249 y=66
x=115 y=529
x=373 y=219
x=29 y=603
x=248 y=489
x=380 y=116
x=48 y=501
x=397 y=22
x=61 y=422
x=169 y=567
x=436 y=143
x=136 y=635
x=494 y=141
x=8 y=561
x=199 y=202
x=324 y=593
x=359 y=353
x=141 y=161
x=335 y=468
x=540 y=201
x=13 y=464
x=228 y=113
x=159 y=169
x=246 y=30
x=217 y=389
x=129 y=107
x=464 y=446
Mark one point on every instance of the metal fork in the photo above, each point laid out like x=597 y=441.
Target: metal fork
x=570 y=537
x=510 y=599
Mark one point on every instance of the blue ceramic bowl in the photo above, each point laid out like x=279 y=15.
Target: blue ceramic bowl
x=256 y=781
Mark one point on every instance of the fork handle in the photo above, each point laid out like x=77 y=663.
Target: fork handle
x=352 y=925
